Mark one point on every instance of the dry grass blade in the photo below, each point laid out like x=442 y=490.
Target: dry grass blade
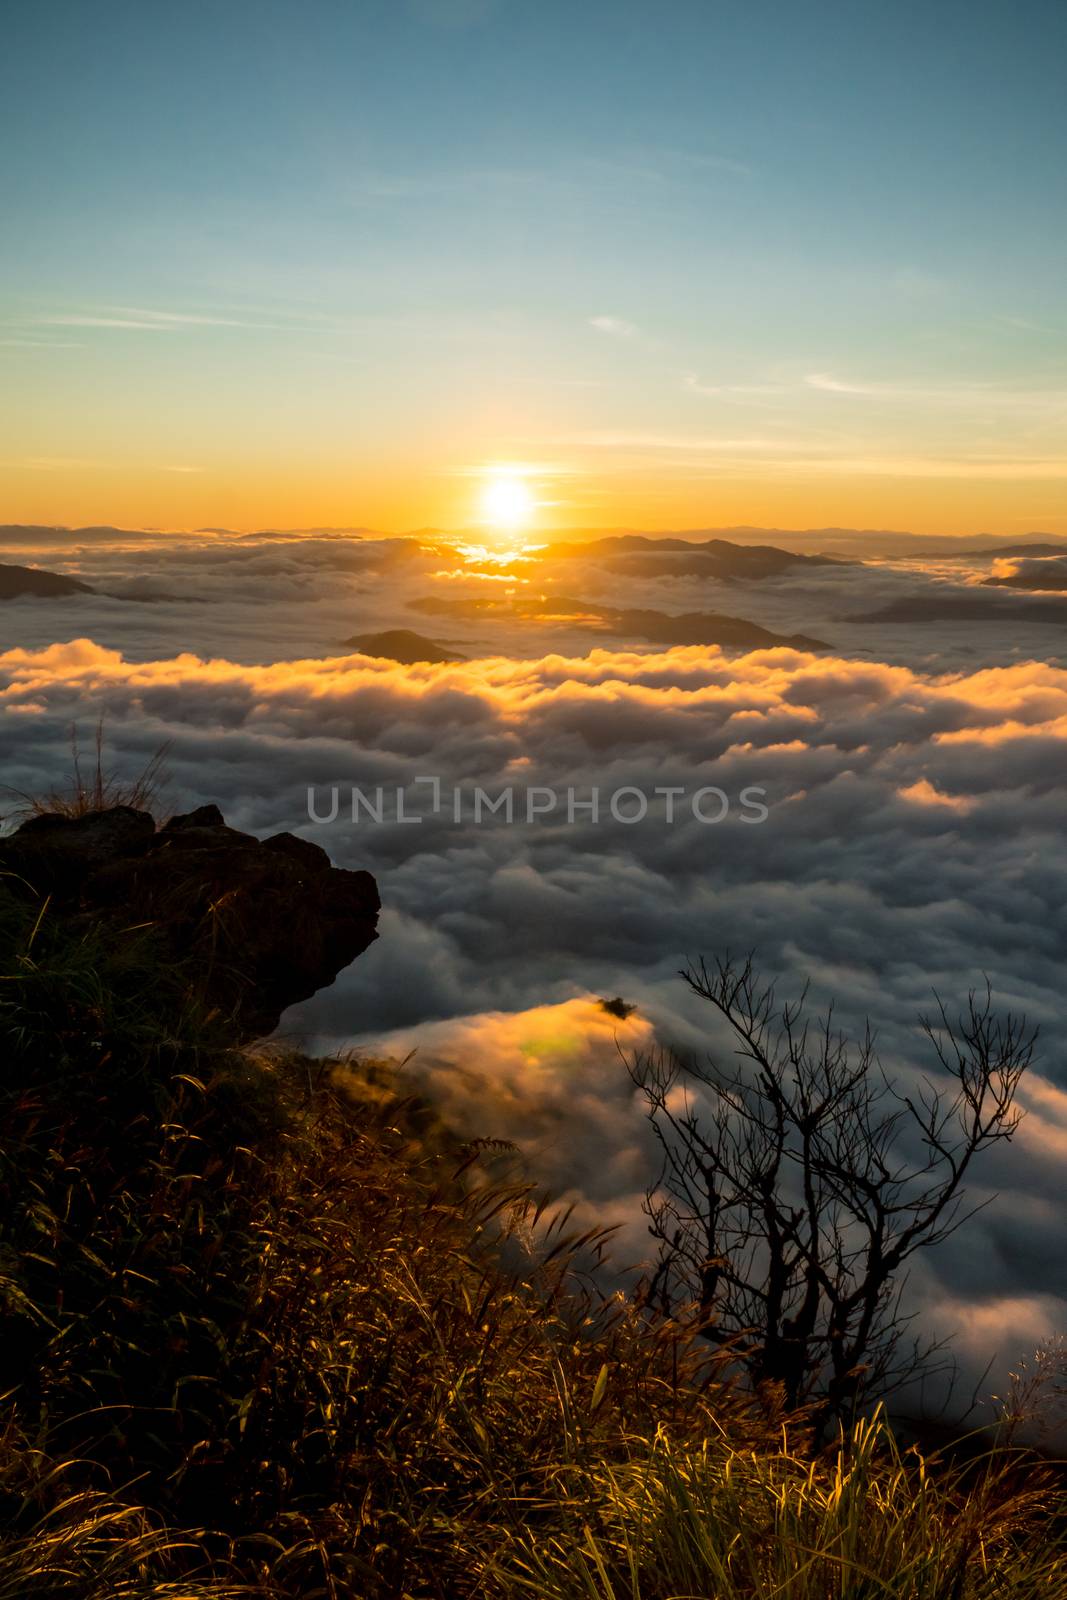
x=97 y=789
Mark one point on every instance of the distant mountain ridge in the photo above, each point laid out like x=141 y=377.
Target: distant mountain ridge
x=31 y=533
x=638 y=555
x=978 y=606
x=401 y=645
x=655 y=627
x=831 y=543
x=18 y=581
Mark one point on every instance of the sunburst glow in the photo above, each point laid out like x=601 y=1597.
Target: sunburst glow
x=507 y=503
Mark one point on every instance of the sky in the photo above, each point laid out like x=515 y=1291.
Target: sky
x=674 y=265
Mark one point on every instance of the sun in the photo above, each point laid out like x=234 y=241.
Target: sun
x=507 y=503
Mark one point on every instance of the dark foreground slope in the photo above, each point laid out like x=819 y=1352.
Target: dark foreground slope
x=269 y=1328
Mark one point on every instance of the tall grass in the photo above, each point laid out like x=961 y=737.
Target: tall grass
x=65 y=1540
x=269 y=1327
x=97 y=787
x=866 y=1523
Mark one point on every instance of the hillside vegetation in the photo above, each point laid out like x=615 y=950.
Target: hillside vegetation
x=269 y=1328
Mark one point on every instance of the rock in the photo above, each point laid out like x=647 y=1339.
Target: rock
x=264 y=923
x=202 y=817
x=56 y=853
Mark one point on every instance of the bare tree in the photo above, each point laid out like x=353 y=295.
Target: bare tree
x=786 y=1206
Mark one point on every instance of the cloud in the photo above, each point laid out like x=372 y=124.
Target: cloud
x=80 y=463
x=547 y=1078
x=800 y=455
x=693 y=382
x=144 y=320
x=1035 y=572
x=915 y=836
x=923 y=793
x=615 y=327
x=40 y=344
x=626 y=332
x=695 y=162
x=697 y=444
x=986 y=397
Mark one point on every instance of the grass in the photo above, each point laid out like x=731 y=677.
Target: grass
x=269 y=1327
x=65 y=1540
x=866 y=1524
x=98 y=788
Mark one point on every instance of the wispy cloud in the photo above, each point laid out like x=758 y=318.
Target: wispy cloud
x=1025 y=325
x=59 y=463
x=183 y=318
x=960 y=396
x=626 y=332
x=140 y=319
x=698 y=161
x=143 y=321
x=682 y=441
x=655 y=169
x=696 y=385
x=88 y=463
x=809 y=456
x=963 y=467
x=511 y=469
x=832 y=385
x=40 y=344
x=615 y=327
x=662 y=165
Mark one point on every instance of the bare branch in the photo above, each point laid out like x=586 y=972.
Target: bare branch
x=783 y=1212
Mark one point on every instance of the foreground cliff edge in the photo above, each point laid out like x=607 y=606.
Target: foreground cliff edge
x=268 y=1327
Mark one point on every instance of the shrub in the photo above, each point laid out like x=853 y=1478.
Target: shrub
x=269 y=1327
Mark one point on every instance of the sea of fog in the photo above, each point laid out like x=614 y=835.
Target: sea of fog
x=880 y=818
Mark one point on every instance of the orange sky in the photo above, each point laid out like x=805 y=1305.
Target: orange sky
x=389 y=498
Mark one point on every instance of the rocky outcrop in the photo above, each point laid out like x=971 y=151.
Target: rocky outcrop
x=261 y=923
